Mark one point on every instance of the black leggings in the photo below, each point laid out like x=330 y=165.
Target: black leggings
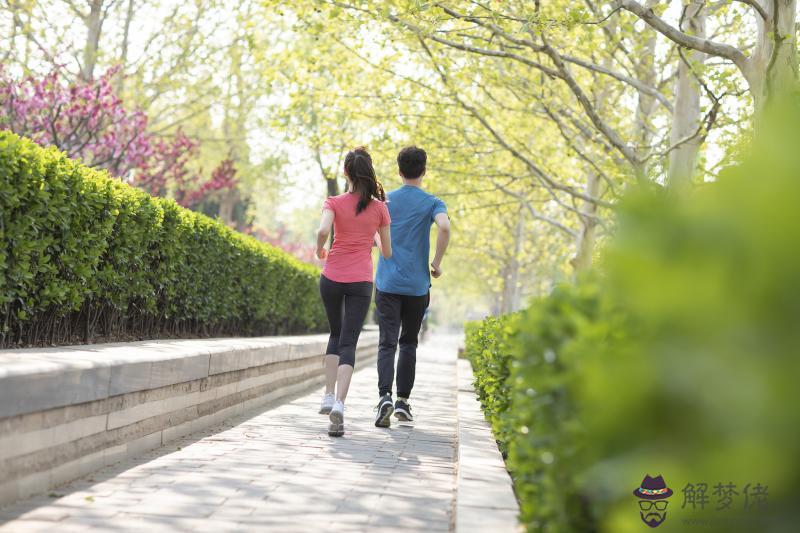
x=346 y=305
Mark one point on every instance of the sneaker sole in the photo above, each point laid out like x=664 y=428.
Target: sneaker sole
x=325 y=410
x=384 y=419
x=336 y=427
x=403 y=416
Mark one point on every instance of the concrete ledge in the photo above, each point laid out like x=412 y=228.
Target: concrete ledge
x=485 y=495
x=66 y=412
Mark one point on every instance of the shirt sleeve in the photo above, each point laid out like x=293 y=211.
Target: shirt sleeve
x=438 y=207
x=329 y=204
x=386 y=219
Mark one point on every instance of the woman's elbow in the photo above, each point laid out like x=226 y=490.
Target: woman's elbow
x=323 y=233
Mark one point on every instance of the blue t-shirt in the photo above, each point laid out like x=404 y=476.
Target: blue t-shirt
x=412 y=211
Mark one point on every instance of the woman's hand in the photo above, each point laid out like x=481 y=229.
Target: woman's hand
x=322 y=254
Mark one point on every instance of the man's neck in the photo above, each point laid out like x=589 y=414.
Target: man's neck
x=413 y=183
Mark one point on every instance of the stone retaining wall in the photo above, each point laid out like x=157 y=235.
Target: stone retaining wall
x=68 y=411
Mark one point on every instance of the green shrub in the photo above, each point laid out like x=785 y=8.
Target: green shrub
x=523 y=375
x=703 y=387
x=682 y=360
x=83 y=256
x=546 y=451
x=489 y=346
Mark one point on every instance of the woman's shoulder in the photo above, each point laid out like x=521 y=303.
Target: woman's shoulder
x=378 y=205
x=335 y=200
x=340 y=197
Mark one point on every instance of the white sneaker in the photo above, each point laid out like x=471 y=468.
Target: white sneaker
x=336 y=427
x=327 y=404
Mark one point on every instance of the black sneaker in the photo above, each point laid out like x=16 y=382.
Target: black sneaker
x=403 y=411
x=383 y=418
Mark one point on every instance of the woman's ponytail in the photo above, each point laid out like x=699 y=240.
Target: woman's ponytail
x=358 y=165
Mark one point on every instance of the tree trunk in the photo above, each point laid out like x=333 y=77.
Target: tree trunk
x=586 y=237
x=585 y=241
x=646 y=72
x=519 y=238
x=497 y=303
x=94 y=27
x=510 y=294
x=686 y=109
x=772 y=69
x=333 y=186
x=123 y=54
x=27 y=55
x=227 y=203
x=234 y=131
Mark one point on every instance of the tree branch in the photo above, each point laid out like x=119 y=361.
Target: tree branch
x=636 y=84
x=75 y=9
x=26 y=31
x=564 y=74
x=420 y=32
x=755 y=5
x=533 y=167
x=534 y=213
x=684 y=39
x=612 y=136
x=496 y=30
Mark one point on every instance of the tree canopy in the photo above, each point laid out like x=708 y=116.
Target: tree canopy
x=537 y=115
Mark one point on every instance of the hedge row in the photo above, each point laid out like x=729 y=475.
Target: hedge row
x=489 y=347
x=679 y=358
x=84 y=256
x=521 y=365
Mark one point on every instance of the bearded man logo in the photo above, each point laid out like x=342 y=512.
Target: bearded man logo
x=653 y=494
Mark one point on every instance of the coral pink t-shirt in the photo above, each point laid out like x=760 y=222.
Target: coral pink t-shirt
x=350 y=257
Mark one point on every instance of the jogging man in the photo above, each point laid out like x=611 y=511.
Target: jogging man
x=403 y=282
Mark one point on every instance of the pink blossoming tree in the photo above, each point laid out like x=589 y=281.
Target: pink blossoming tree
x=88 y=121
x=85 y=119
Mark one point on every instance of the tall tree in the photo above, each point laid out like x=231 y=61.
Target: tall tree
x=770 y=69
x=686 y=133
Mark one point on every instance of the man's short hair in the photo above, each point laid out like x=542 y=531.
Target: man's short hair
x=411 y=162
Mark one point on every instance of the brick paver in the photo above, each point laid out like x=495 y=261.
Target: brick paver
x=279 y=471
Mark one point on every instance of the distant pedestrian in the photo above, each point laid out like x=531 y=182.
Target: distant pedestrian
x=346 y=281
x=403 y=282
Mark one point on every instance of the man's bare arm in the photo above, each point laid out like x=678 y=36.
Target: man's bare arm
x=442 y=240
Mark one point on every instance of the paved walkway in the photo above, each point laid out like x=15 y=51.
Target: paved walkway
x=279 y=471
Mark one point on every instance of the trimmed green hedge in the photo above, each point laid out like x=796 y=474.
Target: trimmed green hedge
x=488 y=347
x=680 y=359
x=84 y=256
x=522 y=374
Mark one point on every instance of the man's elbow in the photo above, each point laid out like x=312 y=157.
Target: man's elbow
x=444 y=230
x=387 y=254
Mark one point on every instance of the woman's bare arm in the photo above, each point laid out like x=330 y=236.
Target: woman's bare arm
x=385 y=238
x=323 y=232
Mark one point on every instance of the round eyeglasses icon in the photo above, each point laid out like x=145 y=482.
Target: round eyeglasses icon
x=646 y=505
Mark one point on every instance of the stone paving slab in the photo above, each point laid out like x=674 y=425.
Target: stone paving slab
x=278 y=470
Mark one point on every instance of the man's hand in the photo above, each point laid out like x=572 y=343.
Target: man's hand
x=436 y=270
x=322 y=254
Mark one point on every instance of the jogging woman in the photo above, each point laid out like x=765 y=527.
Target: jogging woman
x=346 y=281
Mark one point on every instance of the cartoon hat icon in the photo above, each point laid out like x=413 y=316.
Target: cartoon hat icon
x=653 y=488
